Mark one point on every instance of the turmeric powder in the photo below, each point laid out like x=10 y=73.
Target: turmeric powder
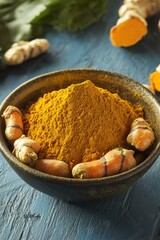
x=132 y=24
x=80 y=123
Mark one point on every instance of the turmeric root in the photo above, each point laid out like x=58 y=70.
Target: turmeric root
x=141 y=135
x=115 y=161
x=22 y=51
x=132 y=25
x=13 y=122
x=26 y=149
x=155 y=79
x=53 y=167
x=93 y=169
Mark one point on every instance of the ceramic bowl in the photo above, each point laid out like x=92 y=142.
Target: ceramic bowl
x=80 y=190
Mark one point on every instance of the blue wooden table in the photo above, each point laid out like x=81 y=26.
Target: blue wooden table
x=27 y=214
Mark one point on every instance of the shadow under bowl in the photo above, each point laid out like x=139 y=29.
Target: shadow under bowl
x=80 y=190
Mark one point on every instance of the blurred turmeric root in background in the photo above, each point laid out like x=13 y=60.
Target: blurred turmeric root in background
x=131 y=26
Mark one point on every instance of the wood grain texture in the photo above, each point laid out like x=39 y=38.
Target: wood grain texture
x=25 y=213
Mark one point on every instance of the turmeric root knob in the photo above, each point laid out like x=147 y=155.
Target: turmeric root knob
x=23 y=50
x=141 y=135
x=26 y=149
x=119 y=160
x=53 y=167
x=115 y=161
x=93 y=169
x=13 y=122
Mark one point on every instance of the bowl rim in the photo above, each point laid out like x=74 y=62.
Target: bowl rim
x=12 y=160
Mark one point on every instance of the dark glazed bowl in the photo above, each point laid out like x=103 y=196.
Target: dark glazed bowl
x=79 y=190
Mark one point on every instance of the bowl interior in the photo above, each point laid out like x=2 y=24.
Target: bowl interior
x=127 y=88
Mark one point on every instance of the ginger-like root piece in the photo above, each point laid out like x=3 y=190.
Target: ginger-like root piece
x=23 y=50
x=26 y=149
x=154 y=79
x=132 y=25
x=115 y=161
x=52 y=167
x=141 y=135
x=13 y=122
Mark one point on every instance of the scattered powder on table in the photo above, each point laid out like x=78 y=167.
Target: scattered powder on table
x=79 y=123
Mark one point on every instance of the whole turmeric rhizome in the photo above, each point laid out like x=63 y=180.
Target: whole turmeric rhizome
x=132 y=25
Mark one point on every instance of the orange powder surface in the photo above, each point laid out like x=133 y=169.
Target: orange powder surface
x=79 y=123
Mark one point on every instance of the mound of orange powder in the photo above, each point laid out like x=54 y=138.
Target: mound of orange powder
x=80 y=123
